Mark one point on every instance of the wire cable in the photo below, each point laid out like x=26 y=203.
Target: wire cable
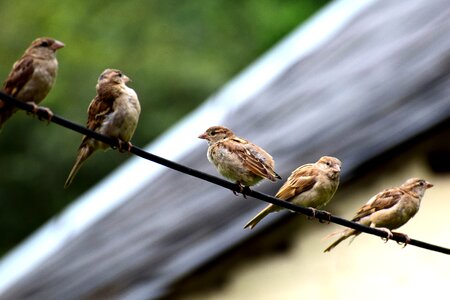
x=318 y=214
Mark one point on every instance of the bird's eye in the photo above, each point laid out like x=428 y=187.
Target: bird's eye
x=120 y=74
x=213 y=133
x=422 y=183
x=328 y=163
x=44 y=44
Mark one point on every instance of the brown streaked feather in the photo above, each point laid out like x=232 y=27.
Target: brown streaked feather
x=97 y=111
x=301 y=180
x=102 y=104
x=239 y=140
x=383 y=200
x=256 y=165
x=17 y=78
x=19 y=75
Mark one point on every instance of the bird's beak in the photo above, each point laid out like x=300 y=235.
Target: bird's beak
x=203 y=136
x=57 y=45
x=126 y=79
x=429 y=185
x=337 y=168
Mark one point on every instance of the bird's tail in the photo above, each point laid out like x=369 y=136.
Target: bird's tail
x=272 y=175
x=83 y=153
x=345 y=234
x=252 y=223
x=275 y=174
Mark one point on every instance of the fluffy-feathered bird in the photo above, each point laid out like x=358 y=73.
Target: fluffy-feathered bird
x=238 y=159
x=32 y=76
x=388 y=209
x=113 y=112
x=310 y=185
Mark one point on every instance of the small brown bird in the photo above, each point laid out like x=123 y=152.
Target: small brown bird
x=310 y=185
x=388 y=209
x=238 y=159
x=32 y=76
x=113 y=112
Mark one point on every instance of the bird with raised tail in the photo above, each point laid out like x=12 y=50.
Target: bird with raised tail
x=114 y=112
x=32 y=76
x=238 y=159
x=388 y=210
x=311 y=185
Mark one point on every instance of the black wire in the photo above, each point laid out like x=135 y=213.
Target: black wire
x=318 y=214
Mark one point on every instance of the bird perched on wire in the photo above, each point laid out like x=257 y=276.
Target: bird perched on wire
x=114 y=112
x=238 y=159
x=388 y=209
x=32 y=76
x=310 y=185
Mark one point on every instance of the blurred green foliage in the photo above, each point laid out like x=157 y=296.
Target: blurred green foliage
x=176 y=52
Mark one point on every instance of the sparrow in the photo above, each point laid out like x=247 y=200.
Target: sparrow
x=32 y=76
x=311 y=185
x=238 y=159
x=113 y=112
x=388 y=210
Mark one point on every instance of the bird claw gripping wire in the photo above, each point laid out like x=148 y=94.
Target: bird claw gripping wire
x=405 y=236
x=328 y=217
x=43 y=113
x=242 y=189
x=124 y=146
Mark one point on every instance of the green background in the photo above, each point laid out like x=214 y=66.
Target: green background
x=176 y=52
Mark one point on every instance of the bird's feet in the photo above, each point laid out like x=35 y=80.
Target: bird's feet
x=389 y=234
x=327 y=218
x=124 y=146
x=321 y=220
x=242 y=189
x=405 y=236
x=313 y=210
x=245 y=191
x=43 y=113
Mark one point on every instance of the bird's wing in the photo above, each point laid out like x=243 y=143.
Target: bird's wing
x=19 y=76
x=300 y=181
x=254 y=158
x=99 y=108
x=383 y=200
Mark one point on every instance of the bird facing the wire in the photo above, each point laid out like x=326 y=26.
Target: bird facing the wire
x=388 y=209
x=238 y=159
x=310 y=185
x=32 y=76
x=114 y=112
